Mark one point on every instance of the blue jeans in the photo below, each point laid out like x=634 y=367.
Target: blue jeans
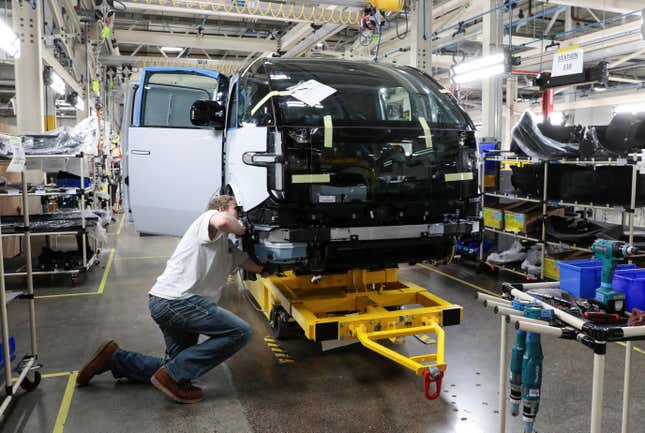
x=181 y=322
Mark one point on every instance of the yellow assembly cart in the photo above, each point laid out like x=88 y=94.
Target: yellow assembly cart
x=369 y=306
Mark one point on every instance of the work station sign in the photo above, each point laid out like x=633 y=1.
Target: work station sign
x=568 y=61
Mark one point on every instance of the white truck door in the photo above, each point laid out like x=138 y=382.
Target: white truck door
x=126 y=123
x=174 y=168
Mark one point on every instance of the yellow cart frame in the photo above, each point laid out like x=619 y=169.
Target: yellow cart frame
x=365 y=305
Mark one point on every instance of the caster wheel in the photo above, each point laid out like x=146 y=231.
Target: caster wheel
x=281 y=327
x=29 y=385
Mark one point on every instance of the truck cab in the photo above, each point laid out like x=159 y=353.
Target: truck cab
x=337 y=164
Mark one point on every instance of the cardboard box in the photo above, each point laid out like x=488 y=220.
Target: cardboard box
x=490 y=180
x=551 y=268
x=494 y=216
x=524 y=217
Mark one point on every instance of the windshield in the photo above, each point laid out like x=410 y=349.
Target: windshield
x=366 y=93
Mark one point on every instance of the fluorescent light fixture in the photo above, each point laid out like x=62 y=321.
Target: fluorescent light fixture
x=57 y=84
x=557 y=117
x=479 y=74
x=9 y=41
x=630 y=108
x=80 y=105
x=479 y=64
x=171 y=49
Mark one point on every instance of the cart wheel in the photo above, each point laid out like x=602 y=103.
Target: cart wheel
x=281 y=326
x=29 y=385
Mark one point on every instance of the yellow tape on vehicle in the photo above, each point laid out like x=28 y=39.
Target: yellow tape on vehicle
x=329 y=132
x=456 y=177
x=426 y=132
x=311 y=178
x=267 y=97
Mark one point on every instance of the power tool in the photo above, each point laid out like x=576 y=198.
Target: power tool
x=532 y=369
x=610 y=253
x=517 y=354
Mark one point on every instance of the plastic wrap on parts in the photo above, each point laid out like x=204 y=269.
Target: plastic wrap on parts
x=58 y=221
x=516 y=253
x=62 y=141
x=532 y=142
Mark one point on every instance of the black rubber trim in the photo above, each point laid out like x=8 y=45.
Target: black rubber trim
x=327 y=331
x=451 y=317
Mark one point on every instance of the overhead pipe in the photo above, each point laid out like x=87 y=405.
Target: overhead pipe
x=535 y=17
x=460 y=24
x=578 y=29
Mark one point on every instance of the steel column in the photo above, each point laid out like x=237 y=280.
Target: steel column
x=30 y=104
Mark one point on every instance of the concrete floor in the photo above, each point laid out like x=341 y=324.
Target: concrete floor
x=345 y=390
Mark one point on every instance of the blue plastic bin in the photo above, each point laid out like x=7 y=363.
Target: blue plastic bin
x=632 y=283
x=485 y=148
x=12 y=350
x=581 y=278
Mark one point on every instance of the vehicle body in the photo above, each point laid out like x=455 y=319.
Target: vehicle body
x=381 y=171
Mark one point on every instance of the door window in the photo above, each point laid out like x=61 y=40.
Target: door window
x=168 y=96
x=254 y=109
x=231 y=120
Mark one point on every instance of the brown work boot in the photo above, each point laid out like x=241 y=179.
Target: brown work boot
x=180 y=393
x=100 y=363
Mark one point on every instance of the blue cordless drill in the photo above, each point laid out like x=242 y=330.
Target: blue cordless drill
x=610 y=253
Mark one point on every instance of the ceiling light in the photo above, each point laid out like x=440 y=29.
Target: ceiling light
x=57 y=84
x=9 y=41
x=171 y=49
x=479 y=64
x=479 y=74
x=630 y=108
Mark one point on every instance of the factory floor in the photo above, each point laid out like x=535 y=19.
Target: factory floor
x=348 y=389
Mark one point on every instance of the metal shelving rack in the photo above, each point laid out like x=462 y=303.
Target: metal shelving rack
x=27 y=233
x=635 y=161
x=29 y=361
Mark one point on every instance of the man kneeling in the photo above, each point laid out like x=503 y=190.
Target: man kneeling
x=178 y=303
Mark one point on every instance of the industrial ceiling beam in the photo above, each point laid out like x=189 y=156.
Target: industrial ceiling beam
x=225 y=67
x=295 y=35
x=319 y=35
x=618 y=6
x=162 y=39
x=48 y=57
x=254 y=10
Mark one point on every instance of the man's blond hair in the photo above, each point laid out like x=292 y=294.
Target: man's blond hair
x=221 y=202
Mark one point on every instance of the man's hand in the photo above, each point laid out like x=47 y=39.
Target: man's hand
x=251 y=266
x=269 y=269
x=222 y=221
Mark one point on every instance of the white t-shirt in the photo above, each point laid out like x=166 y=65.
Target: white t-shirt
x=199 y=265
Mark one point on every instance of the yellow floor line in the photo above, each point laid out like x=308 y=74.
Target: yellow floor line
x=452 y=277
x=118 y=231
x=279 y=352
x=106 y=272
x=141 y=257
x=100 y=290
x=51 y=375
x=63 y=411
x=476 y=287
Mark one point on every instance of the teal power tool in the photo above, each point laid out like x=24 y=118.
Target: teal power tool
x=610 y=253
x=517 y=354
x=532 y=368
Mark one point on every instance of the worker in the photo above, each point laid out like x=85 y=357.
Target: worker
x=199 y=267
